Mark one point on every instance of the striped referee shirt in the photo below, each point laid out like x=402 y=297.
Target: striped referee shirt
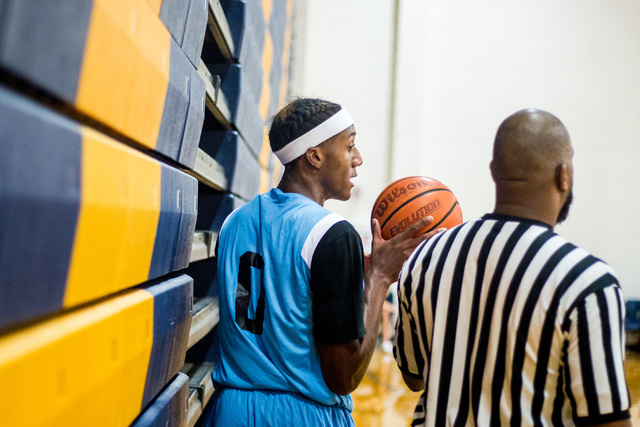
x=509 y=323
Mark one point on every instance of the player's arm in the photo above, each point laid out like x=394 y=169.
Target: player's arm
x=344 y=365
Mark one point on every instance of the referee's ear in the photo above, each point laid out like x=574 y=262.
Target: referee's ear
x=562 y=178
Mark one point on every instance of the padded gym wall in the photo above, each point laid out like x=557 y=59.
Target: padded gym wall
x=129 y=129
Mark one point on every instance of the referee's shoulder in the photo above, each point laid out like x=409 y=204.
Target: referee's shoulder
x=597 y=266
x=589 y=275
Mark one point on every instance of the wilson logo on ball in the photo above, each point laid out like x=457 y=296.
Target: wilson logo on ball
x=410 y=199
x=396 y=194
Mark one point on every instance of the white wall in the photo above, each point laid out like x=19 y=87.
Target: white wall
x=464 y=66
x=341 y=52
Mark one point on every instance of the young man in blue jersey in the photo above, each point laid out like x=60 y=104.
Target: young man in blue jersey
x=504 y=322
x=299 y=316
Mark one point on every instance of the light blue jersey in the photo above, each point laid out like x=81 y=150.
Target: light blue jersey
x=265 y=251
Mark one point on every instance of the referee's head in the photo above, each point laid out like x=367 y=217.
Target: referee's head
x=532 y=166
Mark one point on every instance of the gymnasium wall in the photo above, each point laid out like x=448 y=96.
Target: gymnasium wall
x=462 y=67
x=129 y=129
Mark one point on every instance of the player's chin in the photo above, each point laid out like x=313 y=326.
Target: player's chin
x=345 y=195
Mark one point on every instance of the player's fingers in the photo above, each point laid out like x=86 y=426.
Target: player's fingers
x=376 y=231
x=418 y=225
x=431 y=233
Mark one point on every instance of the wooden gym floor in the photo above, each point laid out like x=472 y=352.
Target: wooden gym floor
x=383 y=400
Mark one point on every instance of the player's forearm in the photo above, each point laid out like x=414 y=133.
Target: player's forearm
x=375 y=293
x=344 y=365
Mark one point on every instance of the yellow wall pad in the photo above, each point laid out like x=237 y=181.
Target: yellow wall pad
x=155 y=5
x=125 y=72
x=119 y=211
x=265 y=149
x=265 y=153
x=265 y=176
x=286 y=54
x=277 y=173
x=267 y=63
x=85 y=368
x=267 y=6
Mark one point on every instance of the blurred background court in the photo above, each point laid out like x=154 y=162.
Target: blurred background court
x=383 y=400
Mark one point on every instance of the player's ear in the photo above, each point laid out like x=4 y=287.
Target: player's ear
x=493 y=175
x=562 y=177
x=314 y=156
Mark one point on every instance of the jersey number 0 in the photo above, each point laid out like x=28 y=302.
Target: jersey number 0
x=243 y=294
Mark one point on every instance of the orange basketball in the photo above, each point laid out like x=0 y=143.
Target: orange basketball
x=410 y=199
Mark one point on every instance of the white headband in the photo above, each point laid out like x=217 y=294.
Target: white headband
x=325 y=130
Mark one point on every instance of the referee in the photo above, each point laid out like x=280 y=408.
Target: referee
x=501 y=320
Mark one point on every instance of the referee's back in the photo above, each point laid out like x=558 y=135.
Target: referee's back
x=504 y=322
x=509 y=310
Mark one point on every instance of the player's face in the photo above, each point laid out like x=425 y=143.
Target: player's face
x=342 y=159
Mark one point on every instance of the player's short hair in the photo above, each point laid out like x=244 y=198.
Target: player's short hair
x=297 y=118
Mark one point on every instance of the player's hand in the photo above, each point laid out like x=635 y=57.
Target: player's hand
x=387 y=256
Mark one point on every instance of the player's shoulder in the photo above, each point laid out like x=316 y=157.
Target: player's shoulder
x=340 y=224
x=239 y=213
x=332 y=237
x=334 y=228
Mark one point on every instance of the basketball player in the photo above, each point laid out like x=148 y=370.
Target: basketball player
x=504 y=322
x=299 y=317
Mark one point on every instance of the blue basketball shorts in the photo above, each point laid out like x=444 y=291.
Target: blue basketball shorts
x=232 y=407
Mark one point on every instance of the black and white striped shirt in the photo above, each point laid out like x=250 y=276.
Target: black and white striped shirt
x=508 y=323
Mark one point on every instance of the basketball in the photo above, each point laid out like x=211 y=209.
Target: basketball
x=410 y=199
